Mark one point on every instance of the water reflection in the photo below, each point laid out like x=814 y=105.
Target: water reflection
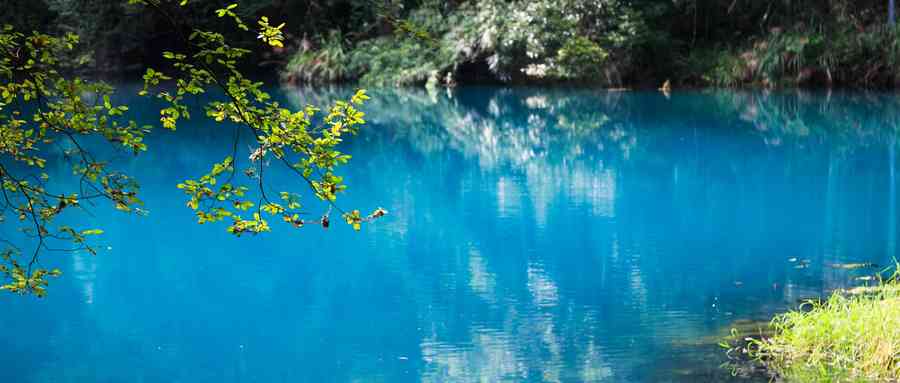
x=535 y=235
x=678 y=213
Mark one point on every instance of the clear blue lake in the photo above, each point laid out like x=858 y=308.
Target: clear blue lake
x=534 y=234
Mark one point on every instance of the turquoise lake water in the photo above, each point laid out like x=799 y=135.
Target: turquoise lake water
x=533 y=235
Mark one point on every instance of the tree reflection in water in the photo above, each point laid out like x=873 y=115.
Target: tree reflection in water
x=535 y=234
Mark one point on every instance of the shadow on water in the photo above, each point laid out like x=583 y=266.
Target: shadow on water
x=534 y=235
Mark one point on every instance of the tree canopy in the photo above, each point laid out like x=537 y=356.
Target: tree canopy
x=42 y=105
x=602 y=42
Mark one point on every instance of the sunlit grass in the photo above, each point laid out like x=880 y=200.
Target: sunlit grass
x=854 y=336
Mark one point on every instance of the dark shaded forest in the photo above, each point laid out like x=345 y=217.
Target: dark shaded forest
x=611 y=43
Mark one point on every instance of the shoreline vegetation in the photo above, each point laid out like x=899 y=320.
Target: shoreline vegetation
x=634 y=44
x=852 y=336
x=801 y=44
x=780 y=58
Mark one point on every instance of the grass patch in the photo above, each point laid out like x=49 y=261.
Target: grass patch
x=854 y=336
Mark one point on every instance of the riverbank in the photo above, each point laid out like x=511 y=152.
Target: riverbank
x=498 y=42
x=854 y=335
x=601 y=43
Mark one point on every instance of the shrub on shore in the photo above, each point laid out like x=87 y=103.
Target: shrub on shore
x=813 y=56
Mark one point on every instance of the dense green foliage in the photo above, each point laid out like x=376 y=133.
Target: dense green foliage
x=614 y=43
x=44 y=110
x=495 y=40
x=601 y=42
x=852 y=337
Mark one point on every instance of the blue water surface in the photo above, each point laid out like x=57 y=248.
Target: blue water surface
x=542 y=235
